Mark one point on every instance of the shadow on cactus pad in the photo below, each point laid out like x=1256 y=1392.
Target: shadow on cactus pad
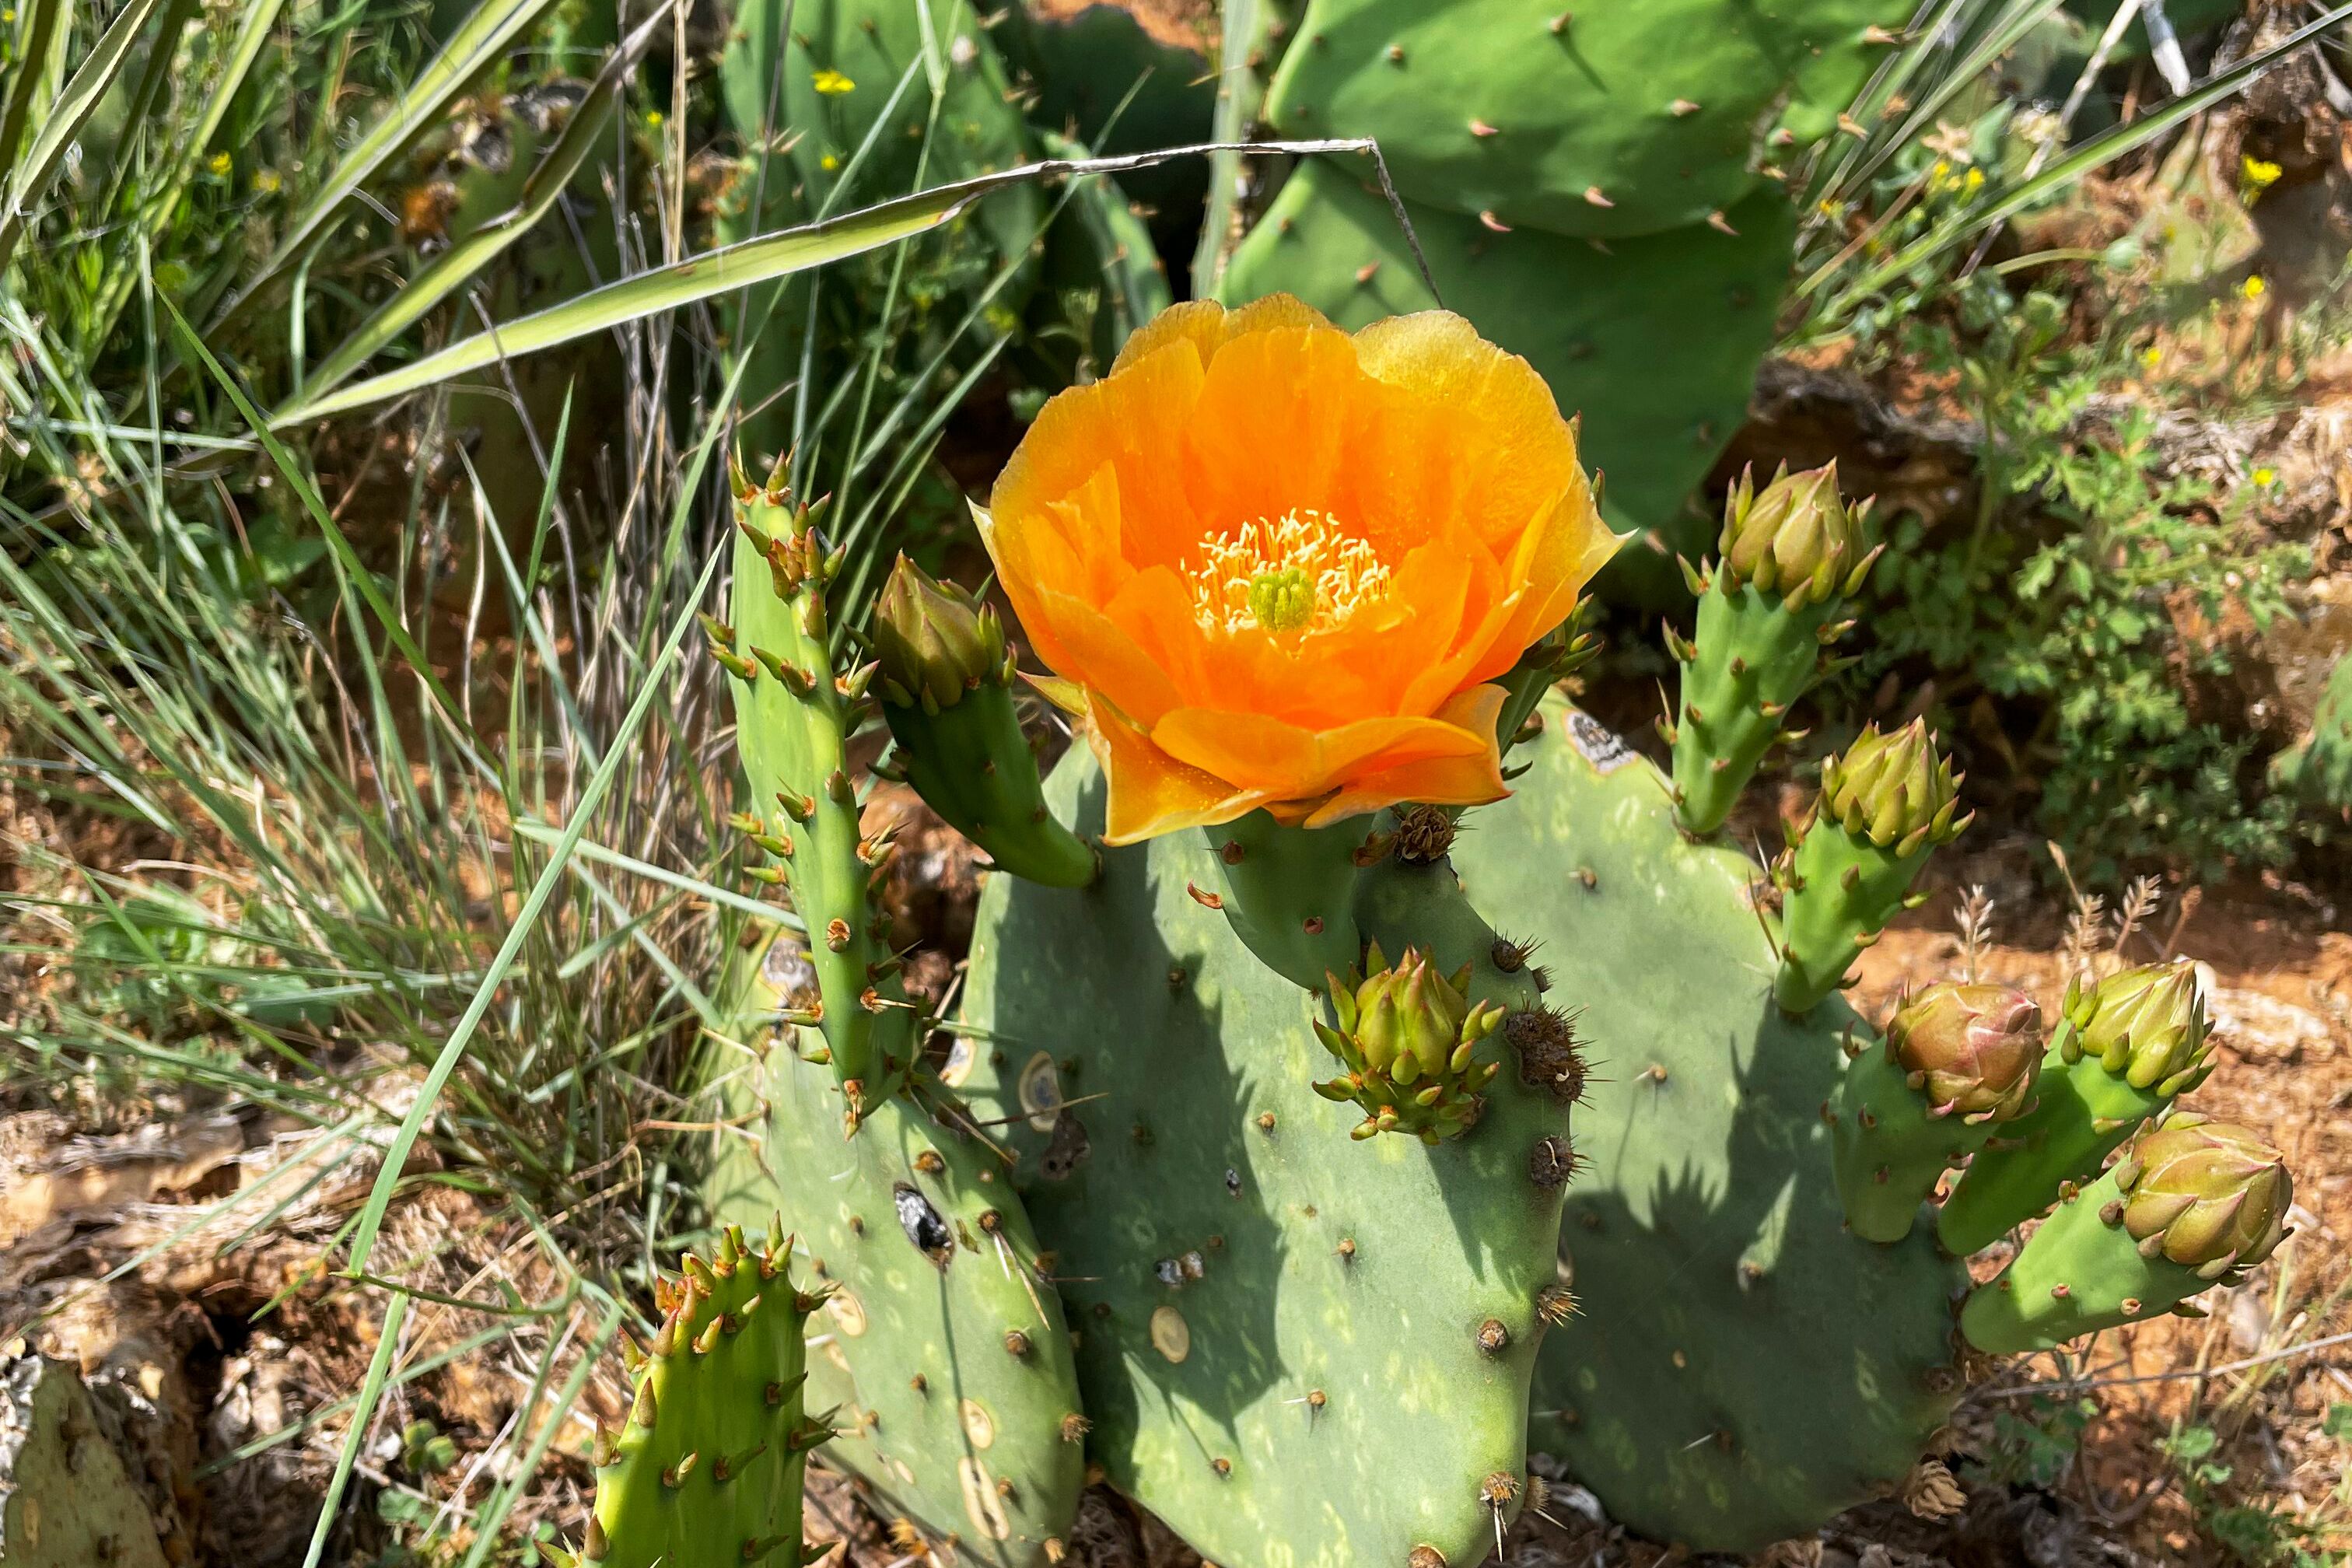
x=1741 y=1367
x=1296 y=1347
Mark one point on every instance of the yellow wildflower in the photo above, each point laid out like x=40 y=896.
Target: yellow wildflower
x=266 y=183
x=2265 y=477
x=2258 y=173
x=2254 y=287
x=832 y=84
x=220 y=165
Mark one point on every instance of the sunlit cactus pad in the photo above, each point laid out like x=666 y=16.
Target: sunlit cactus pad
x=1740 y=1367
x=957 y=1426
x=1608 y=120
x=1296 y=1347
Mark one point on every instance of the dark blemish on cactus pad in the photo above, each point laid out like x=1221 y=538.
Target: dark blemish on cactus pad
x=923 y=1225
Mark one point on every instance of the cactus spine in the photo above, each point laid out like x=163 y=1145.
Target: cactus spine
x=793 y=717
x=1787 y=560
x=708 y=1467
x=2125 y=1048
x=2194 y=1201
x=947 y=693
x=1958 y=1062
x=1883 y=807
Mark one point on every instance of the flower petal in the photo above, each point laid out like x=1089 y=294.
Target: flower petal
x=1286 y=762
x=1209 y=326
x=1098 y=654
x=1471 y=779
x=1150 y=792
x=1135 y=422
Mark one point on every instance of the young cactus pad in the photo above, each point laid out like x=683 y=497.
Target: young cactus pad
x=1883 y=807
x=2192 y=1203
x=1656 y=340
x=1296 y=1348
x=1958 y=1064
x=1741 y=1367
x=2124 y=1049
x=952 y=1420
x=1602 y=121
x=1784 y=564
x=707 y=1469
x=793 y=715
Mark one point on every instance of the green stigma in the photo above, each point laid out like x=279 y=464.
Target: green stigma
x=1282 y=600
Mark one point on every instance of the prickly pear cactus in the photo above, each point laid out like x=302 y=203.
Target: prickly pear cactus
x=65 y=1499
x=2125 y=1048
x=1740 y=1366
x=1602 y=121
x=1767 y=612
x=948 y=1357
x=2320 y=770
x=2194 y=1201
x=1296 y=1347
x=793 y=719
x=708 y=1467
x=1655 y=340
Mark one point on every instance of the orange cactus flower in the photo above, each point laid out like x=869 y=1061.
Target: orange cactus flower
x=1281 y=564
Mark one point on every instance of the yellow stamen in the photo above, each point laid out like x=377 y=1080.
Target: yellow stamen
x=1300 y=573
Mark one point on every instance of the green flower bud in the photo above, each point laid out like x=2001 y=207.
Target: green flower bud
x=2147 y=1024
x=2206 y=1194
x=1406 y=1033
x=933 y=640
x=1975 y=1050
x=1798 y=538
x=1893 y=789
x=1408 y=1018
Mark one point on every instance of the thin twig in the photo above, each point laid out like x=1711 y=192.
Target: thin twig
x=2197 y=1373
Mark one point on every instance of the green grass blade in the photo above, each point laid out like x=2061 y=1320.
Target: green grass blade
x=254 y=20
x=370 y=1391
x=363 y=580
x=588 y=850
x=2100 y=149
x=473 y=48
x=543 y=888
x=2002 y=35
x=738 y=266
x=40 y=33
x=457 y=265
x=66 y=118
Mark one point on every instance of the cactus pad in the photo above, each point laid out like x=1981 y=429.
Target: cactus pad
x=1740 y=1368
x=2320 y=769
x=708 y=1467
x=1604 y=122
x=1296 y=1347
x=1655 y=340
x=954 y=1422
